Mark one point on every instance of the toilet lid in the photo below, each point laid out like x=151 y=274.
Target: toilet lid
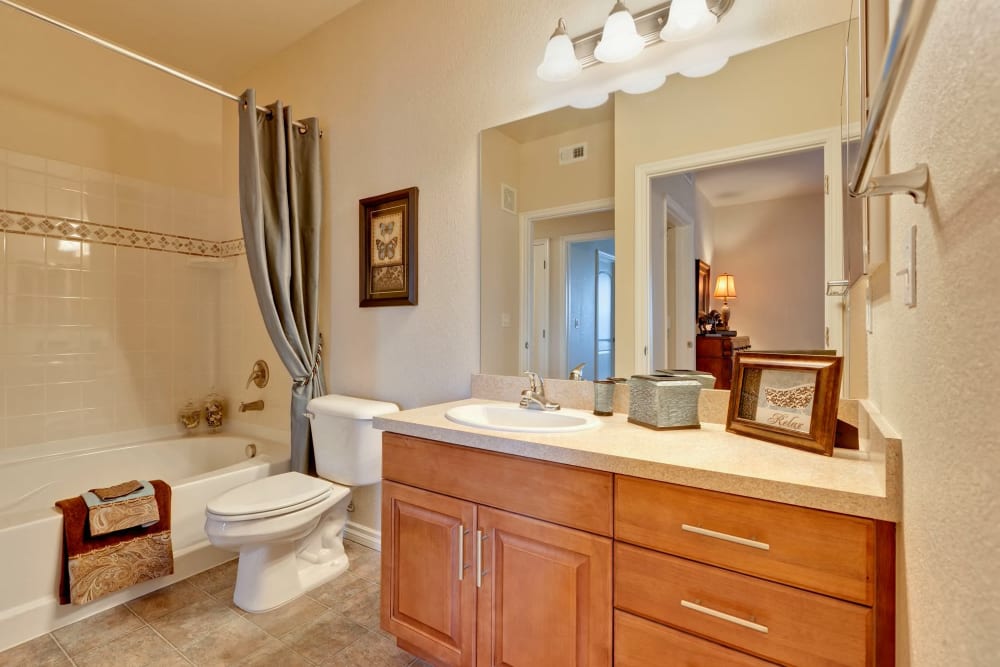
x=289 y=490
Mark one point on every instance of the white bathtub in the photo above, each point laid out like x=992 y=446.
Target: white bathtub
x=197 y=468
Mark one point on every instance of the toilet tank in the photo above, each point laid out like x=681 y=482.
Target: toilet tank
x=348 y=449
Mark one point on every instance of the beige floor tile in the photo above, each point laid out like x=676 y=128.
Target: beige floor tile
x=227 y=644
x=274 y=653
x=325 y=636
x=363 y=609
x=41 y=651
x=354 y=548
x=370 y=650
x=137 y=649
x=288 y=616
x=335 y=594
x=216 y=580
x=367 y=566
x=162 y=602
x=187 y=625
x=420 y=663
x=97 y=630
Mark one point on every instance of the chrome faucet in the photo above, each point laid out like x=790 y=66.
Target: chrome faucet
x=533 y=398
x=577 y=372
x=251 y=406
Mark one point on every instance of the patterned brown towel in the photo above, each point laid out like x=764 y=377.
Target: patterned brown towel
x=118 y=490
x=121 y=514
x=94 y=566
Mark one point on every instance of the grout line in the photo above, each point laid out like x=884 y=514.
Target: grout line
x=61 y=648
x=170 y=644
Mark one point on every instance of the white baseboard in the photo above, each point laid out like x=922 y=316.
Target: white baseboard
x=363 y=535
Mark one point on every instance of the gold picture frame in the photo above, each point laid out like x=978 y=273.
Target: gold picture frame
x=388 y=249
x=788 y=399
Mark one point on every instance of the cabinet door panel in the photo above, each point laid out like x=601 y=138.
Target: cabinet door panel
x=425 y=603
x=546 y=594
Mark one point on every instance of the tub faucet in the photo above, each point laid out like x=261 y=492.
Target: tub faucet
x=533 y=398
x=251 y=406
x=577 y=372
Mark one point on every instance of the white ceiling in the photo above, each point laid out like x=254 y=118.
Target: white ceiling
x=791 y=175
x=212 y=39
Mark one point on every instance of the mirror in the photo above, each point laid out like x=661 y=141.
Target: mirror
x=597 y=218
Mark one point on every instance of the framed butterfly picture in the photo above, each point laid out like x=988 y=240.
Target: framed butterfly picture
x=789 y=399
x=388 y=253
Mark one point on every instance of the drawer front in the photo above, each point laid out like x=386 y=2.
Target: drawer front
x=642 y=643
x=819 y=551
x=569 y=496
x=769 y=620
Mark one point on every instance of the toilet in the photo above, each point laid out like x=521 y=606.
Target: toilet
x=288 y=528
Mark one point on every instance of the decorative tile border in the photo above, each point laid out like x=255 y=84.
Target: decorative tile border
x=31 y=224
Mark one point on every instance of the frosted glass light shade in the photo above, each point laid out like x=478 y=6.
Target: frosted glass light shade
x=560 y=62
x=589 y=100
x=687 y=19
x=706 y=68
x=640 y=83
x=620 y=41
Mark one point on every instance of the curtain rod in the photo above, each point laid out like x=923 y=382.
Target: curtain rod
x=136 y=56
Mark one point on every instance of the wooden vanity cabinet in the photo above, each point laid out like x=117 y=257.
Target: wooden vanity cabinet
x=468 y=581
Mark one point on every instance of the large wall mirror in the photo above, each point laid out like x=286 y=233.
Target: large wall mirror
x=594 y=221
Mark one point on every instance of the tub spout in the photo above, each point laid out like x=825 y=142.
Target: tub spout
x=251 y=406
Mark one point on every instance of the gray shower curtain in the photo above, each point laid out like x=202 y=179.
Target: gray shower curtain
x=280 y=204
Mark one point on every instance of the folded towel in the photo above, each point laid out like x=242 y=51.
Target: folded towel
x=118 y=490
x=136 y=508
x=94 y=566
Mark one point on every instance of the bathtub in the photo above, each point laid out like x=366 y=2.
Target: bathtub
x=197 y=468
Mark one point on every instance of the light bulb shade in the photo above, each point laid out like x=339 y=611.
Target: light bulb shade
x=725 y=287
x=687 y=19
x=639 y=83
x=560 y=62
x=706 y=68
x=589 y=100
x=620 y=41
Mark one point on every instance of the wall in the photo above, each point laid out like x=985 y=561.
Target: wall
x=786 y=88
x=774 y=249
x=931 y=370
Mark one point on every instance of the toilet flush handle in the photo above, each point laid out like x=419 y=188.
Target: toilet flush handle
x=309 y=415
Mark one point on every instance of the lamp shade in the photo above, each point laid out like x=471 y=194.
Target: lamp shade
x=620 y=41
x=725 y=287
x=687 y=19
x=560 y=62
x=706 y=68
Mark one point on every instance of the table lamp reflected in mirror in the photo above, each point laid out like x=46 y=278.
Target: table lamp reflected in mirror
x=725 y=289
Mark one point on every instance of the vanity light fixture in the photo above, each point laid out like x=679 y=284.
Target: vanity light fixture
x=624 y=36
x=725 y=289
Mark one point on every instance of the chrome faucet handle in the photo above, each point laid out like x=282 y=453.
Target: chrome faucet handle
x=577 y=372
x=535 y=382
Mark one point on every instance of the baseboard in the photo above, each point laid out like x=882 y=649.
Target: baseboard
x=363 y=535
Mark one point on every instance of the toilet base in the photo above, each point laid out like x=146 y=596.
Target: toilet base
x=275 y=573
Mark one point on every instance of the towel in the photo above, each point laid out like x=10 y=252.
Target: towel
x=96 y=565
x=122 y=506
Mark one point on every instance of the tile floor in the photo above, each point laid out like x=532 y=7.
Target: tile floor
x=194 y=622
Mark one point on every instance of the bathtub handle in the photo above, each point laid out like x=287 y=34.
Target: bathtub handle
x=309 y=415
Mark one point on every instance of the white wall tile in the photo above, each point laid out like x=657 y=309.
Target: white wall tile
x=63 y=253
x=95 y=208
x=25 y=400
x=25 y=161
x=25 y=197
x=24 y=249
x=25 y=430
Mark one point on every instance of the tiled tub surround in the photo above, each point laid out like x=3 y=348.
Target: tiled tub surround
x=111 y=294
x=198 y=469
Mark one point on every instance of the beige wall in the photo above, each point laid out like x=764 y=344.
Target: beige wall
x=929 y=372
x=774 y=249
x=786 y=88
x=545 y=183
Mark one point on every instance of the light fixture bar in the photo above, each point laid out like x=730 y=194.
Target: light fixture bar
x=648 y=23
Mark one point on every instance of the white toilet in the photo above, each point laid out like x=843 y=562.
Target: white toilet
x=289 y=528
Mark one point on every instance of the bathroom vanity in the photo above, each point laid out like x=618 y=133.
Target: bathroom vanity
x=625 y=546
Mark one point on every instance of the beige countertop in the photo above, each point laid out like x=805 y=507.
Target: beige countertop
x=862 y=483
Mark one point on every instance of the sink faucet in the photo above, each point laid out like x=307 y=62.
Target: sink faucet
x=533 y=398
x=577 y=372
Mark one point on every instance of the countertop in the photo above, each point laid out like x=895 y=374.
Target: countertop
x=861 y=483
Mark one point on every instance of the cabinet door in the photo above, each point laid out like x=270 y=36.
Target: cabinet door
x=428 y=585
x=545 y=595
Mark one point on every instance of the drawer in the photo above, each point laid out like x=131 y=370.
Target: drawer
x=642 y=643
x=569 y=496
x=819 y=551
x=763 y=618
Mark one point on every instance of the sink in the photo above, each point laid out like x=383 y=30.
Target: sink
x=511 y=417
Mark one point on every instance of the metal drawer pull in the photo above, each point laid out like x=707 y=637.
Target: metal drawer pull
x=480 y=538
x=725 y=536
x=461 y=552
x=724 y=616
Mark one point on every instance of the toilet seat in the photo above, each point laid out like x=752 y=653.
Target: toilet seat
x=271 y=496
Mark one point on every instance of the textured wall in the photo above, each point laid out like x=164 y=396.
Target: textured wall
x=933 y=368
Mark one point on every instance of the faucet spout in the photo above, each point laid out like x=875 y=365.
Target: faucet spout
x=533 y=398
x=251 y=406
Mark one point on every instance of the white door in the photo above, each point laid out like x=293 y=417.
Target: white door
x=538 y=352
x=604 y=315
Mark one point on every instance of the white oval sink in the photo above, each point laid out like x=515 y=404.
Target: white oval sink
x=501 y=417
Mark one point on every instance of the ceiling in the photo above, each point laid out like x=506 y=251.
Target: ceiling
x=791 y=175
x=215 y=40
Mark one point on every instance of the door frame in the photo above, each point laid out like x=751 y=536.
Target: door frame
x=524 y=226
x=561 y=290
x=829 y=139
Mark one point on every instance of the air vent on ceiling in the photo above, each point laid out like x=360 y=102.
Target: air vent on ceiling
x=574 y=153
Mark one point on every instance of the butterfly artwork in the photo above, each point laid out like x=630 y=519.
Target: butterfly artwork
x=385 y=228
x=386 y=250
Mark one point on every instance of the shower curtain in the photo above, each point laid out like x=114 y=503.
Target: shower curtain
x=280 y=205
